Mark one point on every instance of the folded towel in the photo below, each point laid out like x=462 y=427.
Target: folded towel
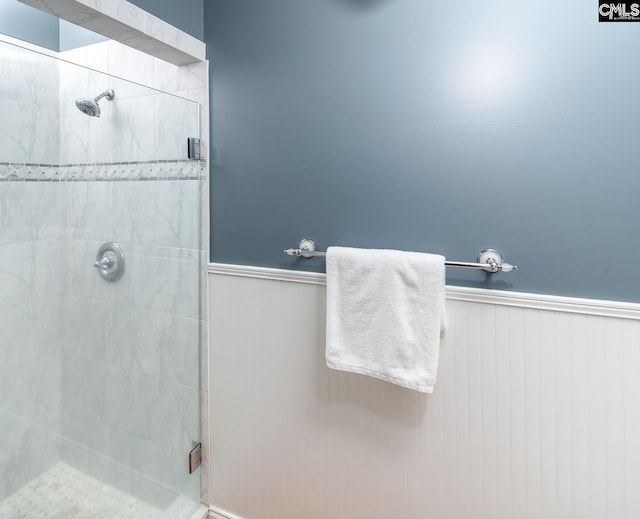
x=385 y=314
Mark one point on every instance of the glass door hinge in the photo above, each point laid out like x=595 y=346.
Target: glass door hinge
x=195 y=458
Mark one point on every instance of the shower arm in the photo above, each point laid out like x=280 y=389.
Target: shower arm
x=109 y=93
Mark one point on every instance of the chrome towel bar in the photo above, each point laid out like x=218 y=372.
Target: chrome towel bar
x=489 y=260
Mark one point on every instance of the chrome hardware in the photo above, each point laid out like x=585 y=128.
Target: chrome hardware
x=306 y=249
x=110 y=262
x=494 y=259
x=195 y=458
x=193 y=148
x=106 y=262
x=489 y=260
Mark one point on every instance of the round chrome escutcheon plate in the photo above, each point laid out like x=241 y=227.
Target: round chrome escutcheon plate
x=110 y=262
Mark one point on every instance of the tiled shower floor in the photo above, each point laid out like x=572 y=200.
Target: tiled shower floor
x=63 y=492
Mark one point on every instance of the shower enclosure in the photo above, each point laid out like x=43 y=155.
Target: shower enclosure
x=100 y=379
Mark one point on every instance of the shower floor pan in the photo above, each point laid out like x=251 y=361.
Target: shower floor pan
x=63 y=492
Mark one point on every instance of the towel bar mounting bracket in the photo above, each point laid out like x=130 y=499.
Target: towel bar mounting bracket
x=306 y=245
x=491 y=257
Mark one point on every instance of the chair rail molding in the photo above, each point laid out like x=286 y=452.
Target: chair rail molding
x=596 y=307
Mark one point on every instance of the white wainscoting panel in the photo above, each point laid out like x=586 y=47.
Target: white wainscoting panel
x=535 y=414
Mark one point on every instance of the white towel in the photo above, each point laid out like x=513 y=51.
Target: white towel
x=385 y=314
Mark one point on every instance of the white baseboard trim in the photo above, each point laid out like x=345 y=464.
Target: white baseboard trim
x=201 y=512
x=593 y=307
x=218 y=513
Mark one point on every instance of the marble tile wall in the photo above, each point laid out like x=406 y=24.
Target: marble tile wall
x=31 y=305
x=138 y=125
x=124 y=358
x=29 y=106
x=30 y=299
x=115 y=377
x=144 y=121
x=140 y=399
x=125 y=22
x=119 y=61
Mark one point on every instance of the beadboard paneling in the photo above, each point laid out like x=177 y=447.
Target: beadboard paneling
x=534 y=414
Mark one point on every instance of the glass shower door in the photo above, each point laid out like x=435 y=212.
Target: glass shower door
x=101 y=269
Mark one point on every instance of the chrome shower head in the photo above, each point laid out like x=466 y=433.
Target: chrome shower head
x=91 y=106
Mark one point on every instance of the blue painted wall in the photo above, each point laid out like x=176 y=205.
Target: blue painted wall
x=73 y=36
x=430 y=126
x=29 y=24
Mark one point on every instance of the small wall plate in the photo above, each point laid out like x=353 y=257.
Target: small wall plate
x=490 y=256
x=307 y=245
x=494 y=261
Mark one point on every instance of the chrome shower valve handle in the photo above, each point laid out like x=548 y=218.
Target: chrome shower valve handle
x=106 y=262
x=110 y=262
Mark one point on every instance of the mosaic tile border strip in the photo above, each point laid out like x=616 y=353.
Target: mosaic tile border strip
x=115 y=171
